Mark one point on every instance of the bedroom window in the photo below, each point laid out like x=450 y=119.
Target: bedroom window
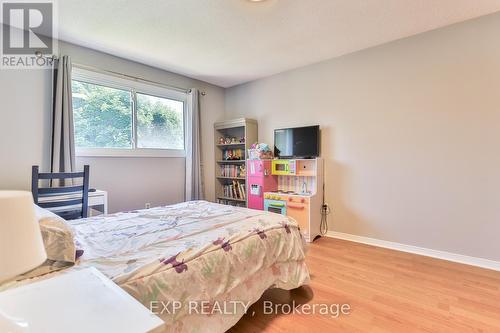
x=120 y=117
x=159 y=122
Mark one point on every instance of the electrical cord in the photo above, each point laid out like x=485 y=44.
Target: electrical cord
x=325 y=211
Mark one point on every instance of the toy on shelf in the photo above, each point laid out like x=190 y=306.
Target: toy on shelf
x=233 y=154
x=260 y=151
x=231 y=140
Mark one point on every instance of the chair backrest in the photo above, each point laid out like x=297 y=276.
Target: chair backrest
x=69 y=202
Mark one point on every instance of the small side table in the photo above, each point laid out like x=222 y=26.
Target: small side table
x=98 y=200
x=79 y=301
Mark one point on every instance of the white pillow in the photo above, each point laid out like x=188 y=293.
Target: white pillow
x=57 y=236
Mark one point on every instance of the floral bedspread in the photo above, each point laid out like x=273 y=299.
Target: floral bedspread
x=195 y=253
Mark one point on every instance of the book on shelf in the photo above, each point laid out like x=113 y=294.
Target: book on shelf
x=241 y=189
x=231 y=203
x=233 y=171
x=235 y=190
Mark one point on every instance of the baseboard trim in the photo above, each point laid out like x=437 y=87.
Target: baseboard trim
x=459 y=258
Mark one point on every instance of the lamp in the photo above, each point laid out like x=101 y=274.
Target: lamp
x=21 y=244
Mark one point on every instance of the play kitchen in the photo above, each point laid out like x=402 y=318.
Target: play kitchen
x=292 y=183
x=298 y=194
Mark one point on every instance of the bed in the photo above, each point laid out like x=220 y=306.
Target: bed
x=195 y=252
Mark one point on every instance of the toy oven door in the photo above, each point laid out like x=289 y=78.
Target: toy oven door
x=275 y=206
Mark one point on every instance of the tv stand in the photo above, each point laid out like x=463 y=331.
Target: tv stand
x=295 y=158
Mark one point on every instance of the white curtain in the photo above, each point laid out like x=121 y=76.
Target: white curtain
x=63 y=140
x=194 y=177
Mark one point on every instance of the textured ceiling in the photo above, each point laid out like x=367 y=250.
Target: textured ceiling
x=228 y=42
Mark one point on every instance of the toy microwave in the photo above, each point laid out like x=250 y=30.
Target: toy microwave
x=284 y=167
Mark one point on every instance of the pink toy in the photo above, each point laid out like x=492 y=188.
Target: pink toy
x=260 y=180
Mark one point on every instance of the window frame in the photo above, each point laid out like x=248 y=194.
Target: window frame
x=134 y=87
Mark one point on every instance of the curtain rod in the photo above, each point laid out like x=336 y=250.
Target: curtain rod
x=139 y=79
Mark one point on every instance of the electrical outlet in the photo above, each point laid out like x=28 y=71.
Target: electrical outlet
x=147 y=205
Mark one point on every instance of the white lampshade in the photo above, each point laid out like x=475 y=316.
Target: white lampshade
x=21 y=243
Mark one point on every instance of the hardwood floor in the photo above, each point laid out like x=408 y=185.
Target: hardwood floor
x=388 y=291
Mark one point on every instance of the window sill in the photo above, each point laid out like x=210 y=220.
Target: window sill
x=110 y=152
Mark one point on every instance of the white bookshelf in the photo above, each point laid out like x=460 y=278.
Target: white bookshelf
x=241 y=128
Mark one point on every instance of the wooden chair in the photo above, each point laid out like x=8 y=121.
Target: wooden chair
x=69 y=202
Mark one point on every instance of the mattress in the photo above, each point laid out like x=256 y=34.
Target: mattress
x=197 y=255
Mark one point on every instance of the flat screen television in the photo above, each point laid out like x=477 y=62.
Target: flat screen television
x=298 y=142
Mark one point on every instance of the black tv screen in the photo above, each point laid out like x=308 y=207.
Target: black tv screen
x=299 y=142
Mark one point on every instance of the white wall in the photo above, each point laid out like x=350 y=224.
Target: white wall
x=411 y=134
x=131 y=182
x=24 y=125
